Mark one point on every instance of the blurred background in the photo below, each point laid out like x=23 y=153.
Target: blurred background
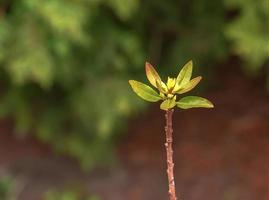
x=72 y=129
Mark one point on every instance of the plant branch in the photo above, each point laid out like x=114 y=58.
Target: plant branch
x=169 y=153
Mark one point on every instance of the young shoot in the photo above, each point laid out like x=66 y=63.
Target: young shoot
x=169 y=94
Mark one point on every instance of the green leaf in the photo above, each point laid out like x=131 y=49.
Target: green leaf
x=171 y=82
x=144 y=91
x=161 y=86
x=185 y=73
x=168 y=104
x=190 y=85
x=194 y=102
x=152 y=74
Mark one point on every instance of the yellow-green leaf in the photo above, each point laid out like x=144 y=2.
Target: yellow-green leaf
x=185 y=73
x=171 y=83
x=194 y=102
x=168 y=104
x=190 y=85
x=152 y=74
x=144 y=91
x=161 y=86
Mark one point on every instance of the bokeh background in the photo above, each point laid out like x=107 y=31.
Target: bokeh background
x=72 y=129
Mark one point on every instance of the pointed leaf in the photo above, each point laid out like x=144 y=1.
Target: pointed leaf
x=185 y=73
x=194 y=102
x=144 y=91
x=152 y=74
x=190 y=85
x=168 y=104
x=171 y=83
x=161 y=86
x=176 y=88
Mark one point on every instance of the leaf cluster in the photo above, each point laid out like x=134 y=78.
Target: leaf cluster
x=168 y=92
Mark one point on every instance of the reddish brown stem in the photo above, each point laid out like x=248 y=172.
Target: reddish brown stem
x=169 y=153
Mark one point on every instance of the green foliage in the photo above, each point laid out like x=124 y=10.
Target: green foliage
x=168 y=103
x=190 y=85
x=168 y=92
x=6 y=185
x=194 y=102
x=249 y=33
x=68 y=195
x=64 y=63
x=184 y=76
x=60 y=60
x=144 y=91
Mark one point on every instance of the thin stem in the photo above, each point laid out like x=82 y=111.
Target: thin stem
x=169 y=153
